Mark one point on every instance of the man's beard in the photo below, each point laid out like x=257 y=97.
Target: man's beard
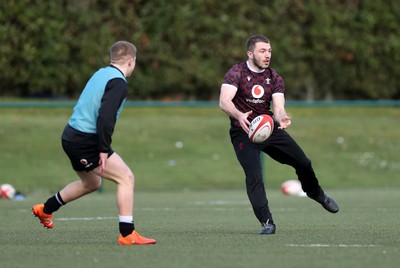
x=258 y=65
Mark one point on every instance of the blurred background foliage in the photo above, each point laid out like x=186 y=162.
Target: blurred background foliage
x=325 y=50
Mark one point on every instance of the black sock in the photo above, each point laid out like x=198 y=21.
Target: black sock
x=53 y=204
x=126 y=228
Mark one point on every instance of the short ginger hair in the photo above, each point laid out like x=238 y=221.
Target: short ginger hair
x=121 y=51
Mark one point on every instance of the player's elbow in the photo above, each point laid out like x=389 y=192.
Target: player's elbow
x=223 y=105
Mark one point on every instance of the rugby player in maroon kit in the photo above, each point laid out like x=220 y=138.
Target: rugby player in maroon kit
x=247 y=91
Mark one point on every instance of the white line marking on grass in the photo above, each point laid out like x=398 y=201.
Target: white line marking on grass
x=87 y=219
x=331 y=246
x=220 y=203
x=156 y=209
x=238 y=203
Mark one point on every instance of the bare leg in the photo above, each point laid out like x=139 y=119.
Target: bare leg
x=89 y=182
x=117 y=171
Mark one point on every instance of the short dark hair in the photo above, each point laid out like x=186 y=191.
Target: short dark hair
x=251 y=42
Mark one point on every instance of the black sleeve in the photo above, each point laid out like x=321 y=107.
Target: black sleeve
x=115 y=92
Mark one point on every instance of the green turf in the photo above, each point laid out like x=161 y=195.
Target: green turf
x=189 y=199
x=208 y=229
x=349 y=146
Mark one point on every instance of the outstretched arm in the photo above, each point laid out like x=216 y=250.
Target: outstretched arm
x=225 y=103
x=280 y=114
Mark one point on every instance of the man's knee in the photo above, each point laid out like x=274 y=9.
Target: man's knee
x=253 y=176
x=97 y=185
x=304 y=164
x=127 y=178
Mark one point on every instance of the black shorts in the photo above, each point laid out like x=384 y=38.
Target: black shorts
x=83 y=157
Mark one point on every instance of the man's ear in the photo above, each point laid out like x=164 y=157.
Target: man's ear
x=250 y=54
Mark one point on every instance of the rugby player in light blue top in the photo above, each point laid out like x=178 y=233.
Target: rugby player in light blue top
x=87 y=142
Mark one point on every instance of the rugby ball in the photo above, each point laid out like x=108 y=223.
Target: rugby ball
x=292 y=187
x=7 y=191
x=261 y=128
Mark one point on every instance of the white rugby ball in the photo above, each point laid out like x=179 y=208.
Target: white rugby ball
x=292 y=187
x=261 y=128
x=7 y=191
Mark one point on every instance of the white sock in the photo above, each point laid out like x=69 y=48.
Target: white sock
x=127 y=219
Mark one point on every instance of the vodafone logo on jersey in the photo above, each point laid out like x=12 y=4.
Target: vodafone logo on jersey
x=257 y=91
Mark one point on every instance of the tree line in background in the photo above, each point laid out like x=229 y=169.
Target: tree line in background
x=345 y=49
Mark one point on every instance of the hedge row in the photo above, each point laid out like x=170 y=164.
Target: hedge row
x=323 y=49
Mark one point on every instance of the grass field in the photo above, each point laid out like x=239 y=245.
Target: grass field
x=208 y=229
x=191 y=197
x=349 y=147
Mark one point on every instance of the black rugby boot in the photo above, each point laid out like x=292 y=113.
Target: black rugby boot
x=326 y=201
x=267 y=228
